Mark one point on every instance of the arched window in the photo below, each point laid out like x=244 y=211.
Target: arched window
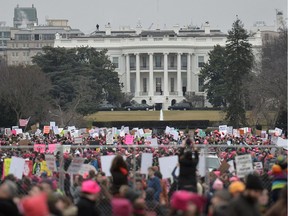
x=143 y=102
x=173 y=102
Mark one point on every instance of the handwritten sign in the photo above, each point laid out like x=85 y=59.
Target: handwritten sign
x=75 y=165
x=243 y=165
x=17 y=167
x=46 y=129
x=129 y=139
x=39 y=148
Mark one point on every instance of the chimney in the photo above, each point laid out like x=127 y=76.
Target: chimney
x=138 y=29
x=207 y=27
x=176 y=28
x=108 y=29
x=279 y=20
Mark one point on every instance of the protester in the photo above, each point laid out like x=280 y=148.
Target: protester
x=8 y=191
x=154 y=182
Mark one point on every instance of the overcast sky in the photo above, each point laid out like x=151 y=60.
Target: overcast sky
x=85 y=14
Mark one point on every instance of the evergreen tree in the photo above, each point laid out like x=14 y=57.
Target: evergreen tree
x=239 y=62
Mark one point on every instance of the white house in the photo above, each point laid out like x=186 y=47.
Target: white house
x=156 y=66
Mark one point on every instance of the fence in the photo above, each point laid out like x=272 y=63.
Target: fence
x=208 y=159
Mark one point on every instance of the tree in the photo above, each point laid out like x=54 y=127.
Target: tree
x=24 y=90
x=213 y=75
x=82 y=78
x=239 y=66
x=269 y=85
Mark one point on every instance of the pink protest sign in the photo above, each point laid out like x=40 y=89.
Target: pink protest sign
x=129 y=139
x=52 y=148
x=39 y=148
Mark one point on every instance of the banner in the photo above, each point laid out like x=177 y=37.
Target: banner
x=39 y=148
x=243 y=165
x=146 y=162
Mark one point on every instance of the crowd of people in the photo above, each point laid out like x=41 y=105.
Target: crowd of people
x=127 y=192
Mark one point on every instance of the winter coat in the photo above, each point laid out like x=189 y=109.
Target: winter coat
x=87 y=207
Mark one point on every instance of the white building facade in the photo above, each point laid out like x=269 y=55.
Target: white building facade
x=158 y=67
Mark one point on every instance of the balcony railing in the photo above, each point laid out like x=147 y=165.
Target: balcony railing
x=173 y=93
x=143 y=93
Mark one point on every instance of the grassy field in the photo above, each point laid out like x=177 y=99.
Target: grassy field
x=155 y=115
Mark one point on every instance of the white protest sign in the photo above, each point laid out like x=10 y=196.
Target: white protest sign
x=141 y=132
x=231 y=168
x=230 y=130
x=126 y=130
x=175 y=134
x=66 y=148
x=202 y=163
x=278 y=131
x=78 y=140
x=167 y=165
x=154 y=142
x=51 y=163
x=56 y=130
x=71 y=129
x=258 y=166
x=85 y=168
x=15 y=127
x=19 y=131
x=8 y=131
x=106 y=162
x=282 y=143
x=146 y=162
x=243 y=165
x=274 y=139
x=75 y=165
x=109 y=138
x=52 y=125
x=167 y=130
x=17 y=167
x=223 y=129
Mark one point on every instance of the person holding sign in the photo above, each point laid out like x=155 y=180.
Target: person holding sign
x=188 y=161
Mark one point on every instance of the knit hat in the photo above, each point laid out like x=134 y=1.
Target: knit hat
x=236 y=186
x=253 y=182
x=90 y=187
x=181 y=199
x=121 y=207
x=35 y=205
x=217 y=185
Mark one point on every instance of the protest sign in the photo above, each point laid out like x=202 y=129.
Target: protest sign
x=15 y=127
x=243 y=165
x=126 y=130
x=75 y=165
x=6 y=167
x=230 y=130
x=56 y=130
x=8 y=131
x=17 y=167
x=258 y=166
x=175 y=134
x=282 y=143
x=231 y=168
x=51 y=163
x=146 y=162
x=19 y=131
x=274 y=139
x=223 y=129
x=66 y=148
x=154 y=142
x=28 y=168
x=52 y=124
x=109 y=138
x=167 y=165
x=46 y=129
x=39 y=148
x=85 y=168
x=129 y=139
x=278 y=131
x=106 y=162
x=78 y=140
x=52 y=147
x=141 y=132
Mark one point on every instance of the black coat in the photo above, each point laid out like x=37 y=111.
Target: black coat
x=87 y=207
x=187 y=176
x=8 y=208
x=118 y=179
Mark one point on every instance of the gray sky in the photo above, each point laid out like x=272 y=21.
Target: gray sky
x=85 y=14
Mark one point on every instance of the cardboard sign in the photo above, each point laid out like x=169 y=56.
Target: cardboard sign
x=167 y=165
x=243 y=165
x=146 y=162
x=75 y=165
x=46 y=129
x=51 y=162
x=17 y=167
x=39 y=148
x=129 y=139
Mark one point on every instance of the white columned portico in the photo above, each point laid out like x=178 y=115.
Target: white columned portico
x=194 y=86
x=151 y=74
x=189 y=73
x=166 y=92
x=128 y=88
x=137 y=87
x=179 y=80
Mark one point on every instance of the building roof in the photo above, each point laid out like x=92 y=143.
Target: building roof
x=157 y=33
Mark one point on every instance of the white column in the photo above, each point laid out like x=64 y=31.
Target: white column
x=166 y=91
x=137 y=87
x=194 y=86
x=189 y=73
x=179 y=81
x=151 y=78
x=128 y=89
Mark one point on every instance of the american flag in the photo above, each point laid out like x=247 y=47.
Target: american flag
x=23 y=122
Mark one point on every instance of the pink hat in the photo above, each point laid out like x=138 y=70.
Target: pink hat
x=35 y=205
x=121 y=207
x=217 y=185
x=217 y=173
x=90 y=187
x=181 y=199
